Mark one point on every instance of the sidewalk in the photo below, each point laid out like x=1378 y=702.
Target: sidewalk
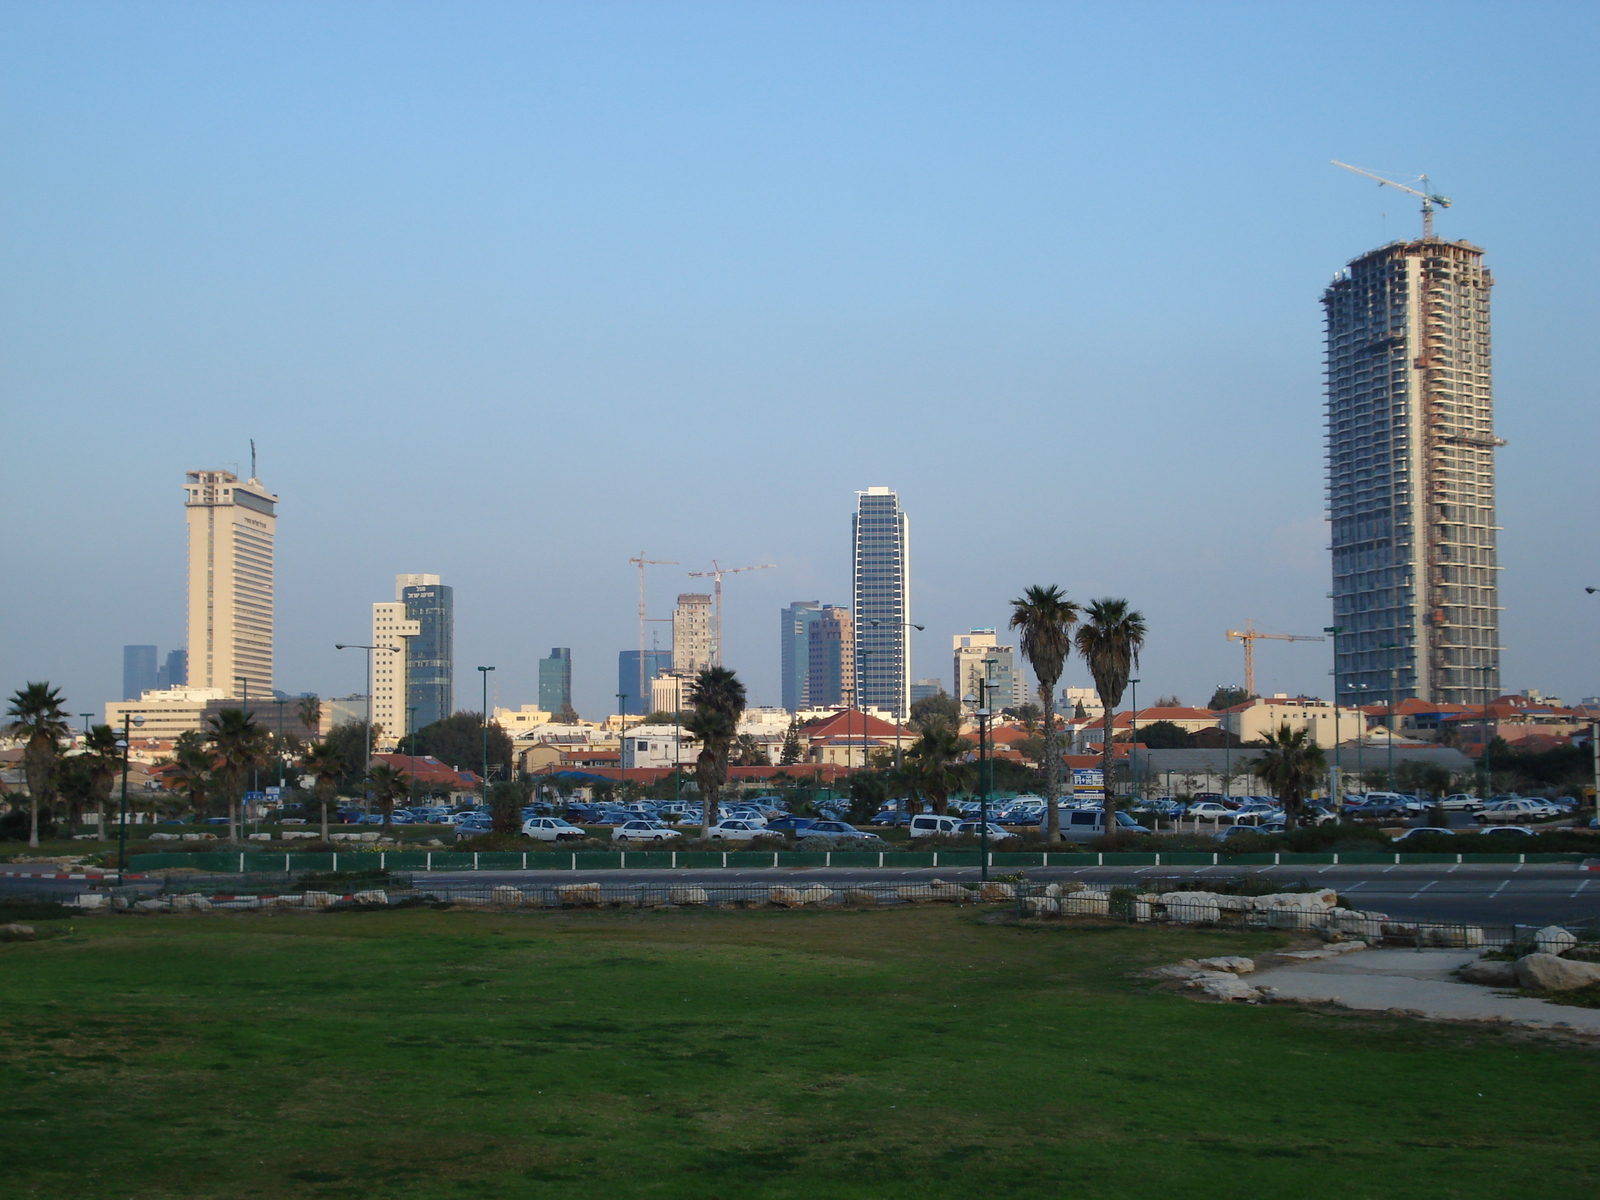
x=1419 y=984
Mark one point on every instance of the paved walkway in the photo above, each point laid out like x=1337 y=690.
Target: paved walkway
x=1380 y=980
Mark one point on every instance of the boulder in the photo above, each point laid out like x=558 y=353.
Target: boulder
x=1085 y=904
x=860 y=896
x=1553 y=939
x=165 y=837
x=1142 y=910
x=16 y=933
x=1187 y=969
x=1194 y=912
x=581 y=894
x=91 y=900
x=916 y=894
x=259 y=837
x=318 y=899
x=198 y=903
x=1232 y=963
x=149 y=905
x=1346 y=947
x=817 y=894
x=1222 y=985
x=787 y=897
x=940 y=890
x=1040 y=906
x=199 y=837
x=505 y=894
x=687 y=895
x=371 y=897
x=1583 y=954
x=996 y=893
x=1455 y=937
x=1552 y=973
x=1489 y=973
x=290 y=835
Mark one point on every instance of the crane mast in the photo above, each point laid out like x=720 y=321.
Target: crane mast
x=1429 y=199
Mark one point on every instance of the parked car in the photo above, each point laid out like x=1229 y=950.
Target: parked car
x=1421 y=831
x=552 y=829
x=1086 y=824
x=838 y=829
x=1386 y=808
x=1514 y=830
x=889 y=816
x=735 y=831
x=1461 y=802
x=1514 y=812
x=794 y=825
x=1235 y=832
x=975 y=829
x=644 y=831
x=932 y=825
x=1208 y=810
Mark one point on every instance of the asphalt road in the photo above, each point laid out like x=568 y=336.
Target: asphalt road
x=1499 y=895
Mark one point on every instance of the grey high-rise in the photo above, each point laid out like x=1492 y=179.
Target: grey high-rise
x=138 y=671
x=430 y=652
x=555 y=680
x=1411 y=443
x=882 y=585
x=794 y=627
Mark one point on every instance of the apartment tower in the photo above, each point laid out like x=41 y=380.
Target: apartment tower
x=831 y=659
x=232 y=524
x=882 y=585
x=555 y=680
x=692 y=627
x=1411 y=475
x=794 y=625
x=413 y=665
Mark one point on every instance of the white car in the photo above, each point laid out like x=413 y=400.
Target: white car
x=644 y=831
x=1208 y=810
x=929 y=825
x=1461 y=802
x=975 y=829
x=736 y=831
x=552 y=829
x=1513 y=812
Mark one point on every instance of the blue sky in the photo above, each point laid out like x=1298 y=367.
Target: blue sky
x=508 y=292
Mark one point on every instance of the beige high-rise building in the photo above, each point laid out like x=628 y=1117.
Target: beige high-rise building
x=390 y=629
x=691 y=633
x=232 y=525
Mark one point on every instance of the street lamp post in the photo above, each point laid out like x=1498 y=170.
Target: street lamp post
x=366 y=762
x=1361 y=738
x=905 y=666
x=411 y=729
x=1488 y=738
x=1335 y=792
x=280 y=704
x=622 y=740
x=981 y=704
x=484 y=671
x=128 y=719
x=1389 y=660
x=1133 y=742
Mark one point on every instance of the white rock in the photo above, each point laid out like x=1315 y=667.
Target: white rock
x=687 y=895
x=1086 y=904
x=788 y=897
x=995 y=893
x=1553 y=939
x=164 y=837
x=1452 y=936
x=1224 y=986
x=1552 y=973
x=194 y=902
x=1194 y=913
x=940 y=890
x=1142 y=910
x=1232 y=963
x=371 y=897
x=861 y=896
x=1187 y=969
x=505 y=894
x=1489 y=973
x=318 y=899
x=1041 y=905
x=150 y=905
x=817 y=894
x=579 y=893
x=259 y=837
x=1346 y=947
x=91 y=900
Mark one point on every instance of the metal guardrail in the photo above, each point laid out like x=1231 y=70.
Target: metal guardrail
x=246 y=862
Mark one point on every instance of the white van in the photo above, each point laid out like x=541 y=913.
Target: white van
x=928 y=825
x=1086 y=824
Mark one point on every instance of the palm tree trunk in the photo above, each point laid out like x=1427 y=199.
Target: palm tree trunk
x=1052 y=765
x=33 y=820
x=1110 y=802
x=324 y=820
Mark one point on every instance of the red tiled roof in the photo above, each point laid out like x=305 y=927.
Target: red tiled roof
x=851 y=723
x=428 y=770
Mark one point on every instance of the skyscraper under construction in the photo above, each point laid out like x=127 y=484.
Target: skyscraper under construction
x=1411 y=475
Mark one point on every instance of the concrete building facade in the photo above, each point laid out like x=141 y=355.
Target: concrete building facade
x=693 y=624
x=1411 y=488
x=979 y=657
x=430 y=652
x=632 y=670
x=831 y=663
x=555 y=680
x=232 y=526
x=881 y=583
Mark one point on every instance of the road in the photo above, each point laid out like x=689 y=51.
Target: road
x=1499 y=895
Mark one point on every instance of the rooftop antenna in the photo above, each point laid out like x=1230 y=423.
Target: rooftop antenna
x=1429 y=199
x=252 y=458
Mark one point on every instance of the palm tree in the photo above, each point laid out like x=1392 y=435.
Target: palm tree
x=388 y=783
x=193 y=775
x=1046 y=617
x=38 y=718
x=1110 y=641
x=326 y=767
x=239 y=744
x=309 y=711
x=1290 y=766
x=105 y=760
x=937 y=766
x=718 y=699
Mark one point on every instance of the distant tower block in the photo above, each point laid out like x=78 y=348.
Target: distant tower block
x=232 y=527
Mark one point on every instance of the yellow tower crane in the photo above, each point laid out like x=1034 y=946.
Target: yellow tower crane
x=1248 y=636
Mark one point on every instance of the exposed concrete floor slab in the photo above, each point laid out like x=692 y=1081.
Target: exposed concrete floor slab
x=1419 y=983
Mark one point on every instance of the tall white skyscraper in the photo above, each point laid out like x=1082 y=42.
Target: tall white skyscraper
x=882 y=587
x=232 y=524
x=1411 y=445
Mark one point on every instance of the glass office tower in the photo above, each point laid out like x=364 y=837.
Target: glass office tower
x=882 y=586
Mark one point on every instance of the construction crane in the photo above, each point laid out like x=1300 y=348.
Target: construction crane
x=717 y=572
x=642 y=562
x=1429 y=199
x=1248 y=636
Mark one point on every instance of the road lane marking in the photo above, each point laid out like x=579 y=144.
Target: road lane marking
x=1496 y=892
x=1352 y=887
x=1581 y=886
x=1422 y=889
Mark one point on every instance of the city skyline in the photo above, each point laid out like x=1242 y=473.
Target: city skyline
x=979 y=257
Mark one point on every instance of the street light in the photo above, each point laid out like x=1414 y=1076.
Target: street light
x=484 y=671
x=366 y=762
x=981 y=701
x=1391 y=647
x=1133 y=742
x=122 y=816
x=622 y=740
x=905 y=665
x=1361 y=739
x=1488 y=773
x=1335 y=778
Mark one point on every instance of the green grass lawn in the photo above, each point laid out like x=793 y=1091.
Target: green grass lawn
x=897 y=1054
